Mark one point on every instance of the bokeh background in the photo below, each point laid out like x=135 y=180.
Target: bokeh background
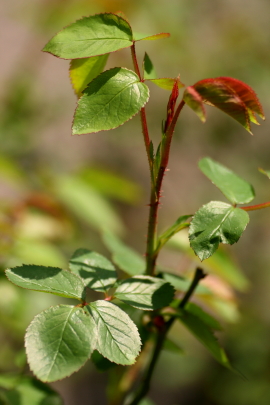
x=57 y=192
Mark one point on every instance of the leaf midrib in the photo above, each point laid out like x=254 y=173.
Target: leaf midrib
x=109 y=332
x=60 y=341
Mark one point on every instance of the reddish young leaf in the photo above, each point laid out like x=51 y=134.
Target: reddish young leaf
x=233 y=97
x=247 y=95
x=171 y=104
x=195 y=102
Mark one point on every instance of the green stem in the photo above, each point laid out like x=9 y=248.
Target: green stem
x=160 y=338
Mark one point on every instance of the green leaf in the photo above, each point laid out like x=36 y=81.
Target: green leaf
x=183 y=284
x=97 y=272
x=87 y=203
x=109 y=101
x=148 y=68
x=111 y=184
x=83 y=71
x=179 y=224
x=172 y=347
x=47 y=279
x=215 y=223
x=265 y=172
x=193 y=99
x=118 y=338
x=237 y=190
x=166 y=83
x=101 y=363
x=145 y=292
x=143 y=37
x=205 y=335
x=204 y=316
x=91 y=36
x=123 y=256
x=31 y=391
x=59 y=341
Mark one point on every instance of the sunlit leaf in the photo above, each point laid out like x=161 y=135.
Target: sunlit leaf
x=233 y=97
x=179 y=224
x=47 y=279
x=166 y=83
x=118 y=338
x=83 y=71
x=215 y=223
x=109 y=101
x=143 y=37
x=148 y=68
x=237 y=190
x=145 y=292
x=123 y=256
x=265 y=172
x=97 y=272
x=59 y=341
x=91 y=36
x=195 y=102
x=247 y=95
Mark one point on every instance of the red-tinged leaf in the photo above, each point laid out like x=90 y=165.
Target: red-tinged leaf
x=247 y=95
x=222 y=96
x=167 y=83
x=141 y=37
x=193 y=99
x=171 y=105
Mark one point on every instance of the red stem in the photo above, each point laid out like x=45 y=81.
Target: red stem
x=151 y=253
x=145 y=132
x=256 y=207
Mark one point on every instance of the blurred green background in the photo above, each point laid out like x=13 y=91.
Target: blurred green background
x=58 y=192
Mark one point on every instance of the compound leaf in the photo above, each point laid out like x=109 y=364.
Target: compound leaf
x=110 y=100
x=215 y=223
x=118 y=337
x=59 y=341
x=237 y=190
x=145 y=292
x=91 y=36
x=97 y=272
x=123 y=256
x=83 y=71
x=47 y=279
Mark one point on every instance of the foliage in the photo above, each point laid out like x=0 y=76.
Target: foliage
x=62 y=338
